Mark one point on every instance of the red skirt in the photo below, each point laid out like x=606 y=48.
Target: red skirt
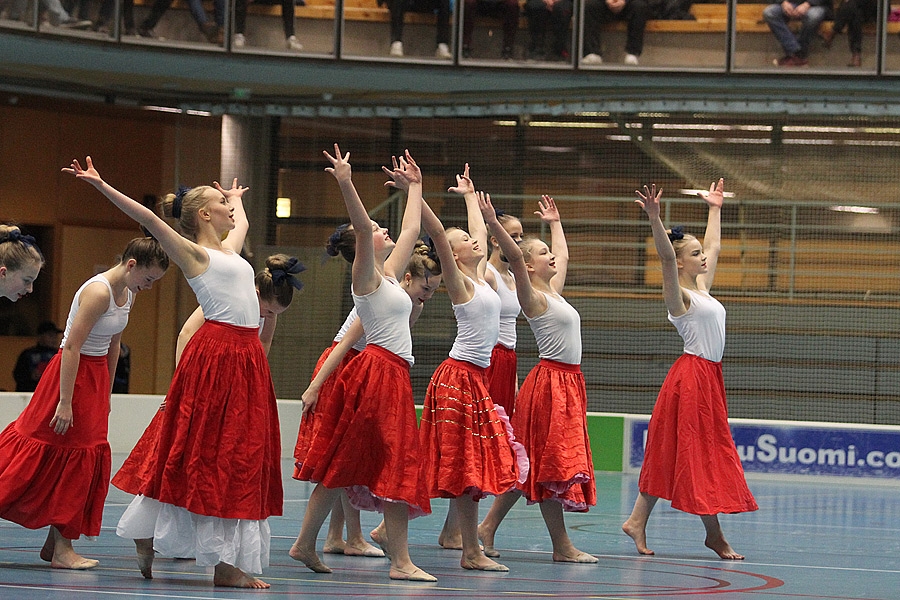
x=467 y=443
x=309 y=424
x=367 y=440
x=217 y=448
x=501 y=378
x=690 y=456
x=59 y=480
x=551 y=421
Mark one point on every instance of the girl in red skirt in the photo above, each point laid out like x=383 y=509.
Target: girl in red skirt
x=467 y=444
x=367 y=440
x=55 y=458
x=503 y=383
x=220 y=408
x=551 y=408
x=422 y=278
x=20 y=263
x=700 y=475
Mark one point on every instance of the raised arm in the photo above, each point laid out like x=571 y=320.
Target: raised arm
x=476 y=224
x=311 y=396
x=550 y=215
x=235 y=238
x=190 y=327
x=459 y=288
x=672 y=294
x=407 y=169
x=365 y=276
x=712 y=240
x=533 y=302
x=189 y=257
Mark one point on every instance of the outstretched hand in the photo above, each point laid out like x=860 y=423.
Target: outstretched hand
x=487 y=209
x=464 y=184
x=405 y=172
x=236 y=190
x=716 y=194
x=90 y=174
x=547 y=209
x=340 y=165
x=649 y=200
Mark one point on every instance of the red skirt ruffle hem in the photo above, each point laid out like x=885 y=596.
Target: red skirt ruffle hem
x=367 y=440
x=551 y=421
x=501 y=378
x=59 y=480
x=467 y=443
x=217 y=447
x=690 y=456
x=310 y=422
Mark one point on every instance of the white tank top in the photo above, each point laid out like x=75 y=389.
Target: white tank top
x=385 y=318
x=111 y=322
x=509 y=310
x=477 y=326
x=702 y=327
x=558 y=331
x=360 y=345
x=226 y=290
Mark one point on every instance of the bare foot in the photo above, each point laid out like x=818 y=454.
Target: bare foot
x=228 y=576
x=450 y=542
x=310 y=559
x=575 y=556
x=145 y=555
x=379 y=536
x=416 y=574
x=723 y=549
x=362 y=548
x=334 y=546
x=72 y=560
x=482 y=563
x=486 y=537
x=639 y=535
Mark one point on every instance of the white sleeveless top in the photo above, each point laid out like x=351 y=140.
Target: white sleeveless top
x=385 y=318
x=557 y=331
x=226 y=290
x=509 y=310
x=702 y=327
x=111 y=322
x=360 y=345
x=477 y=326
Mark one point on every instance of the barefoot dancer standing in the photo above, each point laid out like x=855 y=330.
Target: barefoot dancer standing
x=700 y=475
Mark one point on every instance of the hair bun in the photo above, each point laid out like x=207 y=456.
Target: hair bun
x=676 y=233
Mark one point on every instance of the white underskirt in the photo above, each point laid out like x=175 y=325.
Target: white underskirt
x=176 y=532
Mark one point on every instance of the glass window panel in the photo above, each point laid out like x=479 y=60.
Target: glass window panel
x=399 y=29
x=18 y=14
x=189 y=23
x=292 y=26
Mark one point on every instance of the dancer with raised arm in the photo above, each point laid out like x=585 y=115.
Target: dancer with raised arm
x=467 y=444
x=551 y=408
x=690 y=457
x=373 y=410
x=220 y=408
x=55 y=457
x=20 y=263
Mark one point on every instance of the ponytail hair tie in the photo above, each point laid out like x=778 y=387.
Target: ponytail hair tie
x=179 y=199
x=677 y=233
x=293 y=267
x=16 y=235
x=499 y=212
x=431 y=251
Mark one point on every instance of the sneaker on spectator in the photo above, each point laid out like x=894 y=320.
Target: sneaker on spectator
x=238 y=41
x=397 y=48
x=443 y=51
x=631 y=59
x=592 y=59
x=73 y=23
x=293 y=43
x=791 y=60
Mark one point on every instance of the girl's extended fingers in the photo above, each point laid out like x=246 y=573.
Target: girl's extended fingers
x=90 y=163
x=396 y=164
x=330 y=157
x=329 y=170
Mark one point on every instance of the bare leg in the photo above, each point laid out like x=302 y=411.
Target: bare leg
x=380 y=537
x=563 y=548
x=65 y=557
x=228 y=576
x=472 y=556
x=356 y=544
x=334 y=539
x=145 y=556
x=450 y=537
x=49 y=543
x=636 y=525
x=715 y=539
x=488 y=527
x=304 y=548
x=396 y=521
